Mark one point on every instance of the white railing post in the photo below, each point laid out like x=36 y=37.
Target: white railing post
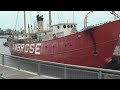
x=3 y=59
x=39 y=68
x=99 y=75
x=65 y=72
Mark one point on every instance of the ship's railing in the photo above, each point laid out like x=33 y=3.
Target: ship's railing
x=58 y=70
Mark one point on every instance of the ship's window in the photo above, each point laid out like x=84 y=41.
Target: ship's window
x=64 y=26
x=71 y=26
x=26 y=35
x=68 y=26
x=58 y=27
x=22 y=35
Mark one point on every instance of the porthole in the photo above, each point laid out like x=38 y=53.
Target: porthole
x=64 y=26
x=58 y=27
x=68 y=26
x=22 y=35
x=26 y=35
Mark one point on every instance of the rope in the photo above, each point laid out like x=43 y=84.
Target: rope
x=115 y=14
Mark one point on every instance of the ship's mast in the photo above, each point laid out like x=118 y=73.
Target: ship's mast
x=50 y=20
x=24 y=23
x=28 y=32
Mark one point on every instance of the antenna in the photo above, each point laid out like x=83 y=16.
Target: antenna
x=47 y=26
x=50 y=21
x=28 y=32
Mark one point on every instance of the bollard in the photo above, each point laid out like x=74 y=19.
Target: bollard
x=3 y=59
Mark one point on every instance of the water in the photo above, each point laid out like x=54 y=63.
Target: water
x=3 y=49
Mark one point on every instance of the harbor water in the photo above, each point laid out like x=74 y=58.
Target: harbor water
x=3 y=49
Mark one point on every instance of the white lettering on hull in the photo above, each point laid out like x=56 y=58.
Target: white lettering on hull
x=27 y=48
x=37 y=50
x=32 y=46
x=22 y=47
x=18 y=47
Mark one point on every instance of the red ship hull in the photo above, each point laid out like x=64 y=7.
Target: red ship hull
x=93 y=47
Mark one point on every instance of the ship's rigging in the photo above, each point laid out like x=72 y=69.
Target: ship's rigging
x=40 y=22
x=116 y=15
x=54 y=31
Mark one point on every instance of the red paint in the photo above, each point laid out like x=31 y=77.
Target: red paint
x=78 y=49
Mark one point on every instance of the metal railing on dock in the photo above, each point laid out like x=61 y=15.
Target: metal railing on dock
x=1 y=76
x=64 y=71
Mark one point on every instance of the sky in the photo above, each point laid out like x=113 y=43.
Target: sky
x=14 y=19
